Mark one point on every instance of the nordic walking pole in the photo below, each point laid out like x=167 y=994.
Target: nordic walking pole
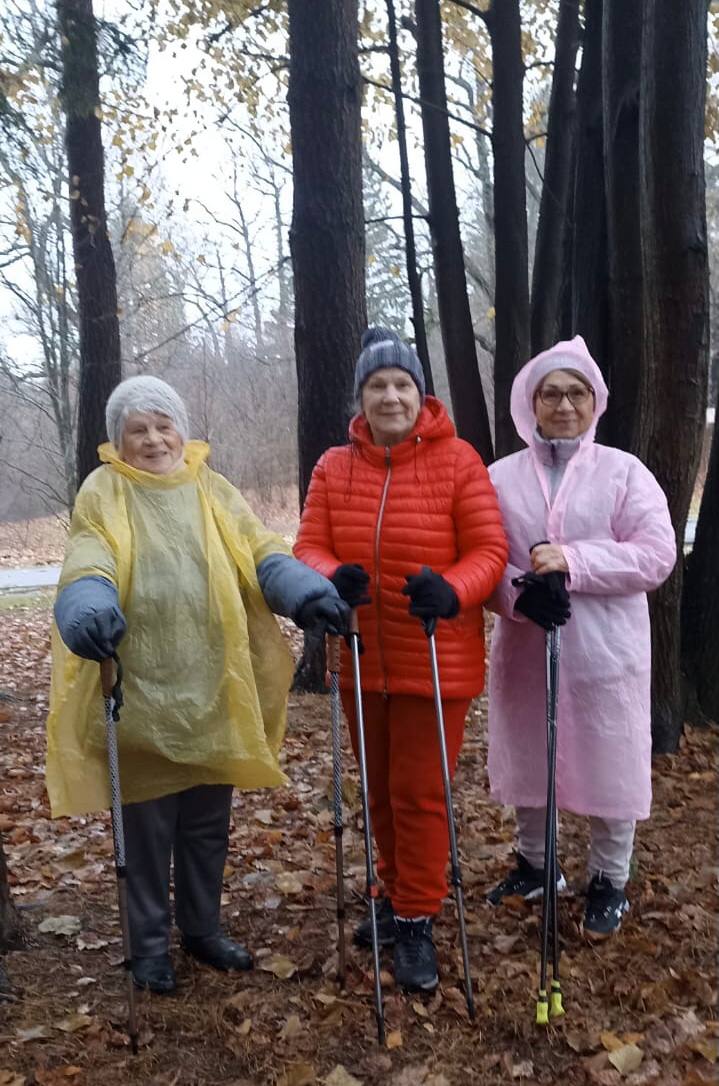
x=112 y=694
x=333 y=666
x=372 y=891
x=550 y=1006
x=430 y=625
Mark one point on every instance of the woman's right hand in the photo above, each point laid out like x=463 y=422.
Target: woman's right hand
x=89 y=618
x=352 y=583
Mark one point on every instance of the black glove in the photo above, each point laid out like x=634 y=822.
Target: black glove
x=431 y=595
x=352 y=583
x=329 y=613
x=545 y=599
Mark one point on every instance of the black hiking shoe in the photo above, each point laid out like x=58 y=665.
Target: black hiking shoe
x=415 y=959
x=219 y=951
x=155 y=973
x=605 y=909
x=385 y=925
x=523 y=881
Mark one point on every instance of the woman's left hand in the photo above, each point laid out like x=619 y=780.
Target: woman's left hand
x=548 y=558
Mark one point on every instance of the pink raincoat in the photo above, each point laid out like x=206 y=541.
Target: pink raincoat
x=611 y=519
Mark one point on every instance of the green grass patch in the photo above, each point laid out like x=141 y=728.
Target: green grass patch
x=36 y=599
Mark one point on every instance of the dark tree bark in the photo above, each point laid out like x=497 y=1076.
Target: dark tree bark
x=327 y=233
x=621 y=59
x=676 y=302
x=700 y=602
x=9 y=922
x=589 y=245
x=468 y=403
x=552 y=228
x=326 y=238
x=413 y=279
x=100 y=368
x=510 y=215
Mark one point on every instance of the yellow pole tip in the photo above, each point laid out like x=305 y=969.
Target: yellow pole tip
x=542 y=1009
x=556 y=1009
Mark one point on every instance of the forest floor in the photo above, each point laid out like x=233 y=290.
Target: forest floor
x=641 y=1009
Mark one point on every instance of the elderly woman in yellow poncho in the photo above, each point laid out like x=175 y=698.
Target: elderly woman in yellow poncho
x=165 y=556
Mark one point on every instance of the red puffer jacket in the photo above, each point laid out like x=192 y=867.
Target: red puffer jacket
x=427 y=501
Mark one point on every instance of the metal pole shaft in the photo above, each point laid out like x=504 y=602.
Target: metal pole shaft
x=118 y=836
x=369 y=860
x=453 y=850
x=333 y=656
x=545 y=1007
x=555 y=1006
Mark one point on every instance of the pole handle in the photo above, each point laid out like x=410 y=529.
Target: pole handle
x=107 y=676
x=333 y=653
x=354 y=622
x=430 y=625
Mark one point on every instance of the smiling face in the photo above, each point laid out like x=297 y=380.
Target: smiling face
x=391 y=403
x=563 y=405
x=150 y=442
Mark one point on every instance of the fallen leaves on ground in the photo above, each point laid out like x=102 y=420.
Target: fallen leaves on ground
x=641 y=1010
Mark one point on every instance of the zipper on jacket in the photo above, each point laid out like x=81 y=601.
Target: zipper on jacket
x=378 y=530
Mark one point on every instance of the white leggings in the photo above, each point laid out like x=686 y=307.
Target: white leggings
x=610 y=849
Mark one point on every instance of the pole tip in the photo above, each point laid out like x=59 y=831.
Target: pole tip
x=542 y=1010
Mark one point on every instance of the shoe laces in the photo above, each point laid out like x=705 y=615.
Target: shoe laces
x=414 y=935
x=603 y=897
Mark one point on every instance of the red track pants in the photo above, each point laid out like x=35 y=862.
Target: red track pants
x=406 y=793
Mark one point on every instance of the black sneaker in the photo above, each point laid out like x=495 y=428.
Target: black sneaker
x=415 y=959
x=524 y=881
x=605 y=909
x=385 y=925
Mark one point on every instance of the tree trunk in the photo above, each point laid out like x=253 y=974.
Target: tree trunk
x=9 y=922
x=413 y=280
x=589 y=247
x=327 y=232
x=326 y=237
x=100 y=368
x=468 y=403
x=676 y=302
x=700 y=601
x=548 y=271
x=621 y=61
x=510 y=215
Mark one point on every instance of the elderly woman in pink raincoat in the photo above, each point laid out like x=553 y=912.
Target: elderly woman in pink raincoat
x=597 y=516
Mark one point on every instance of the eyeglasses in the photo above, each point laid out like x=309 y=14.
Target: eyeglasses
x=577 y=396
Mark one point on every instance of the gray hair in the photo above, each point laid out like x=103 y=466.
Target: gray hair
x=144 y=394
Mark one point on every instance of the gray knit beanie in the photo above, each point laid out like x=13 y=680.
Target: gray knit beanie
x=144 y=394
x=382 y=349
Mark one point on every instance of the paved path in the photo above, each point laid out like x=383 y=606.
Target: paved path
x=30 y=577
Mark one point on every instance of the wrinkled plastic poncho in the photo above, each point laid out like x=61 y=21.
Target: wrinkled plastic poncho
x=206 y=667
x=611 y=518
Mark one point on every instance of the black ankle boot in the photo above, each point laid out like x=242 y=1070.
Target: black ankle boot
x=218 y=950
x=415 y=959
x=155 y=973
x=385 y=925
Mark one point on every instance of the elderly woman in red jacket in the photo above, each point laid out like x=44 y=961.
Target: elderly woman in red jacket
x=405 y=522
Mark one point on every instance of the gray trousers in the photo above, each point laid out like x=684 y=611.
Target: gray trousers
x=610 y=848
x=194 y=826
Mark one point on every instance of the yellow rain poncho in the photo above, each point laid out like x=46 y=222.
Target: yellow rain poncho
x=206 y=667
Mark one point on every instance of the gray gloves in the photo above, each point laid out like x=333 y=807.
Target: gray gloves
x=89 y=618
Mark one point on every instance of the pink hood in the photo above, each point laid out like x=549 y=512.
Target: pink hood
x=569 y=354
